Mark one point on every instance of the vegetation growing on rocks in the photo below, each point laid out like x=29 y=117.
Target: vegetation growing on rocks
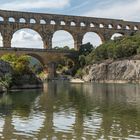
x=121 y=47
x=21 y=74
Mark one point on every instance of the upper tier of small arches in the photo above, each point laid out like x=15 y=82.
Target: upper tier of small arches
x=82 y=24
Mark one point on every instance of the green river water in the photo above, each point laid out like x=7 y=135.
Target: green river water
x=64 y=111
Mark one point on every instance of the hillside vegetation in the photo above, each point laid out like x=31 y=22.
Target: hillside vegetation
x=120 y=47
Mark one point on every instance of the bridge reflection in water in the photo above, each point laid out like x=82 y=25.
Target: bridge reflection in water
x=69 y=111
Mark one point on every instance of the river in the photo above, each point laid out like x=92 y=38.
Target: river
x=64 y=111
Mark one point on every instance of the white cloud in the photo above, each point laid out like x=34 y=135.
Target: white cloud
x=93 y=38
x=122 y=10
x=34 y=4
x=62 y=38
x=27 y=38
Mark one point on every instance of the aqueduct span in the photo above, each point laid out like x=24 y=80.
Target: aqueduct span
x=47 y=24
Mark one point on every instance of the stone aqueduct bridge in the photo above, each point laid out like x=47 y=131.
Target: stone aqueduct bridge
x=47 y=24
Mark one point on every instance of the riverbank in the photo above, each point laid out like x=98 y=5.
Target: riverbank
x=119 y=71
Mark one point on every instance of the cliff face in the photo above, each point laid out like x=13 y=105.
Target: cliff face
x=117 y=71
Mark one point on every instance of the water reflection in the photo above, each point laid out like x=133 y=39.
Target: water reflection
x=69 y=111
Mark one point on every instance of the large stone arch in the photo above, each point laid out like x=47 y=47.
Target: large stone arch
x=30 y=31
x=38 y=57
x=93 y=37
x=65 y=38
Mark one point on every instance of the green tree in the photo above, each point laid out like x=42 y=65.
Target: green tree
x=82 y=60
x=20 y=64
x=86 y=49
x=6 y=81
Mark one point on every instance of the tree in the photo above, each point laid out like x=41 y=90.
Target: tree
x=6 y=81
x=65 y=48
x=20 y=64
x=82 y=60
x=86 y=49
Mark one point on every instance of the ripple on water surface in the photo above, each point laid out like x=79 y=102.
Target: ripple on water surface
x=74 y=112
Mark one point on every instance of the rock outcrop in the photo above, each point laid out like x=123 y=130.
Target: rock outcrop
x=114 y=71
x=24 y=81
x=5 y=68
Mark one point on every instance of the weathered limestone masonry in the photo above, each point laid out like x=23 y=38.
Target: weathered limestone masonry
x=47 y=24
x=47 y=57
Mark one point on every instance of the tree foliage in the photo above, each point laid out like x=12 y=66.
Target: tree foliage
x=86 y=49
x=20 y=64
x=121 y=47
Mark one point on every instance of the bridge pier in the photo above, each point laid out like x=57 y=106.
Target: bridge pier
x=77 y=41
x=47 y=39
x=51 y=70
x=7 y=40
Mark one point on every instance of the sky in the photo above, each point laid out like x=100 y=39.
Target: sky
x=116 y=9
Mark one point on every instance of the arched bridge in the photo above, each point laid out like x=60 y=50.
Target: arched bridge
x=47 y=24
x=45 y=56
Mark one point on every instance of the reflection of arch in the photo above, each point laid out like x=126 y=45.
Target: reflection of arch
x=39 y=58
x=116 y=35
x=26 y=38
x=62 y=38
x=94 y=38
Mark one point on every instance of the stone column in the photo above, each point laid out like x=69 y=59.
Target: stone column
x=47 y=39
x=77 y=41
x=7 y=40
x=51 y=70
x=106 y=37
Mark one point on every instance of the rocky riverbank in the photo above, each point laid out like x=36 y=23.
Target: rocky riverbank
x=25 y=81
x=5 y=69
x=120 y=71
